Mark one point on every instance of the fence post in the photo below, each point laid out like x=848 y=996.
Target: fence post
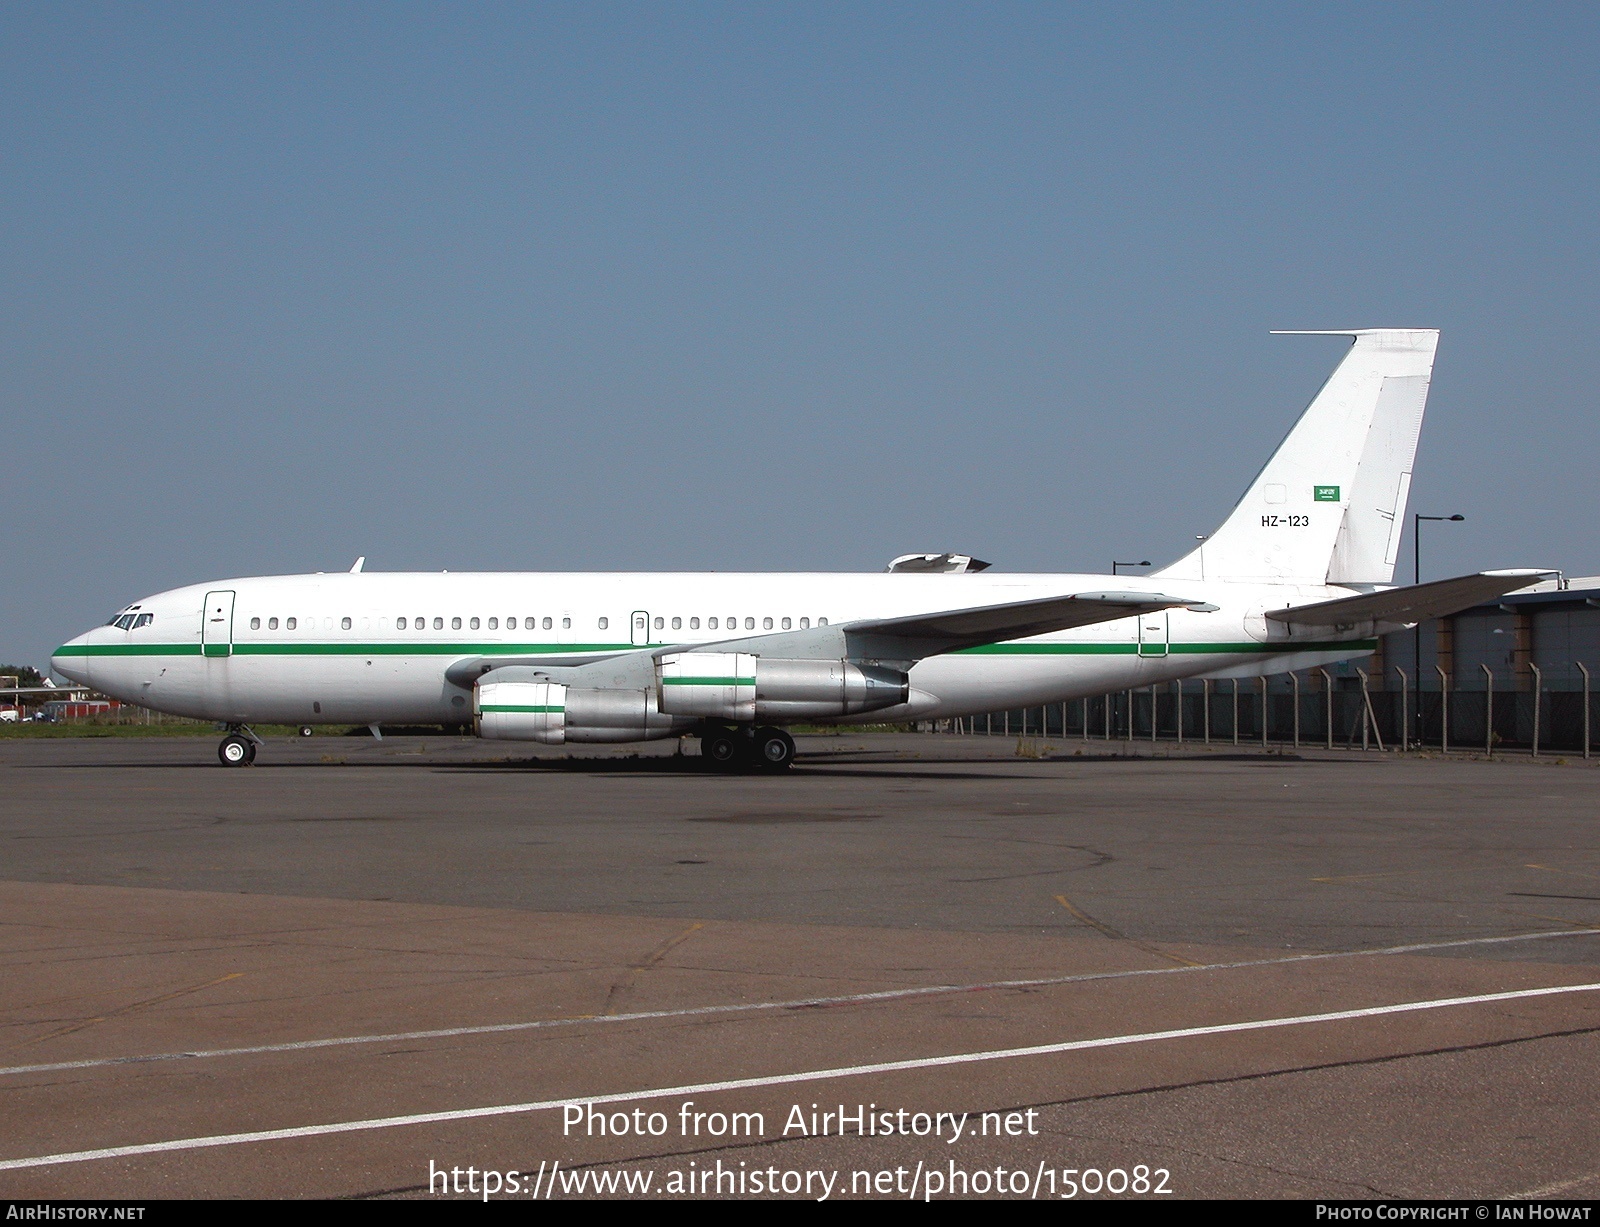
x=1130 y=721
x=1538 y=685
x=1405 y=708
x=1327 y=704
x=1368 y=715
x=1585 y=671
x=1179 y=708
x=1488 y=712
x=1444 y=709
x=1263 y=712
x=1294 y=681
x=1086 y=717
x=1235 y=710
x=1205 y=706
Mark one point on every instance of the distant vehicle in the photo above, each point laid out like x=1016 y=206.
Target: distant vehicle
x=9 y=715
x=1297 y=576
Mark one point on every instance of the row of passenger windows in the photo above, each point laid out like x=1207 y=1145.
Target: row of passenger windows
x=732 y=624
x=530 y=623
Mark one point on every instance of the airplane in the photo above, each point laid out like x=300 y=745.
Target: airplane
x=1298 y=575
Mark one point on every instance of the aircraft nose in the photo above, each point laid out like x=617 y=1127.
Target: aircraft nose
x=71 y=661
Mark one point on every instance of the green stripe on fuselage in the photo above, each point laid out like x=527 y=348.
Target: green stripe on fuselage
x=570 y=649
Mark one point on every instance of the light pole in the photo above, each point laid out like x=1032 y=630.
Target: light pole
x=1115 y=565
x=1416 y=578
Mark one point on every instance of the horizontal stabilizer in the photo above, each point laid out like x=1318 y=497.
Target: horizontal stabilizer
x=1437 y=599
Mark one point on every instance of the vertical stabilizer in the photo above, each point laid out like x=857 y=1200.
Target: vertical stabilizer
x=1330 y=504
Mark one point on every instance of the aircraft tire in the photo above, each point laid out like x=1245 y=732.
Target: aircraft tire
x=723 y=750
x=236 y=751
x=305 y=730
x=774 y=750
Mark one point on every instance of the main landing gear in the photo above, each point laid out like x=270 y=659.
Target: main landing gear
x=238 y=748
x=764 y=749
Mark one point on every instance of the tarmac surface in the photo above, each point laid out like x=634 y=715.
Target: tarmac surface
x=358 y=965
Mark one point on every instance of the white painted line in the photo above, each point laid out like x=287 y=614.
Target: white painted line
x=814 y=1075
x=747 y=1007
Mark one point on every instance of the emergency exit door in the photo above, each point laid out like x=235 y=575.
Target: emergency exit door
x=639 y=629
x=216 y=627
x=1153 y=633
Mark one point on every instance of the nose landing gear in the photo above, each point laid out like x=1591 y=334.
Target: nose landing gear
x=238 y=748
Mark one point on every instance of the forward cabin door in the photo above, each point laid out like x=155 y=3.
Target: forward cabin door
x=216 y=628
x=1153 y=633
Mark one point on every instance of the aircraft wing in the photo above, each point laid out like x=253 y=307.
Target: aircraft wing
x=904 y=639
x=930 y=634
x=1411 y=604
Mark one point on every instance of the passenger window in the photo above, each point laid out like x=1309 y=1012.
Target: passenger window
x=566 y=624
x=677 y=624
x=399 y=624
x=766 y=624
x=786 y=624
x=711 y=624
x=511 y=624
x=805 y=624
x=438 y=624
x=494 y=624
x=749 y=624
x=604 y=623
x=344 y=624
x=661 y=624
x=420 y=623
x=732 y=623
x=547 y=624
x=822 y=622
x=272 y=624
x=473 y=625
x=694 y=624
x=290 y=624
x=455 y=624
x=255 y=624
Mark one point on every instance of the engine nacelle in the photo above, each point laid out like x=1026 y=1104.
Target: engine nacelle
x=744 y=687
x=552 y=713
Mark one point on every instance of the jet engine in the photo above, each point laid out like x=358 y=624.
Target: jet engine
x=743 y=687
x=554 y=714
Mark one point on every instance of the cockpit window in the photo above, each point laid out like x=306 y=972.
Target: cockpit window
x=143 y=620
x=125 y=622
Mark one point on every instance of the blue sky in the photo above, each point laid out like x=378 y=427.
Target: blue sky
x=767 y=287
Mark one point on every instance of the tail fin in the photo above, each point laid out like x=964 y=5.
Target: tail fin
x=1330 y=504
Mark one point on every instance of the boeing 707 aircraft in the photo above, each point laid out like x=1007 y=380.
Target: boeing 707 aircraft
x=1297 y=576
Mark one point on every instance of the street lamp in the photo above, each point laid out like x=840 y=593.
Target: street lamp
x=1416 y=578
x=1115 y=565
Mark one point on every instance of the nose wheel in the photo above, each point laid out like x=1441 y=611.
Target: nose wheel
x=238 y=748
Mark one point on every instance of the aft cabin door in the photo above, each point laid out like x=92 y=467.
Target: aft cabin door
x=639 y=629
x=216 y=629
x=1153 y=633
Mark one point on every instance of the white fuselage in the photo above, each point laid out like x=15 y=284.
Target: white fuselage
x=374 y=648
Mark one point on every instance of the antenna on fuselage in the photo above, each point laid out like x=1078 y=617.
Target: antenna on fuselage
x=360 y=562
